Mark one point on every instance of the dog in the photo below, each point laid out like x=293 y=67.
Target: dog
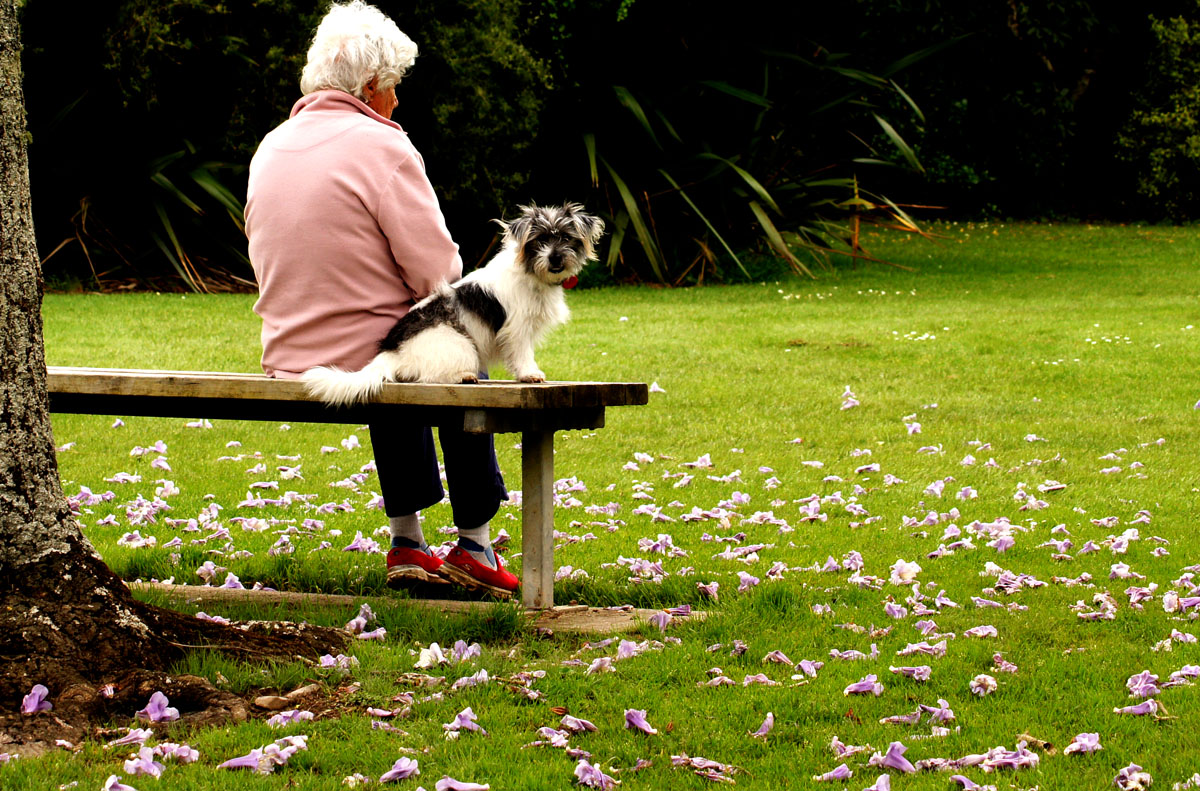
x=495 y=314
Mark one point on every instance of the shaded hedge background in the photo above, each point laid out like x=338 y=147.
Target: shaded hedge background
x=143 y=115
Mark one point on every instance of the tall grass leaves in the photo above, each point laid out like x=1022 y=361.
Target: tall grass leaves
x=904 y=148
x=628 y=101
x=738 y=93
x=750 y=181
x=717 y=160
x=640 y=228
x=776 y=240
x=705 y=220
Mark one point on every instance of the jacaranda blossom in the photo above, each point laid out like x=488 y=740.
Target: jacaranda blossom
x=403 y=769
x=636 y=718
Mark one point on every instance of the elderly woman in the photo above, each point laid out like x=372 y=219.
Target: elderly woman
x=345 y=236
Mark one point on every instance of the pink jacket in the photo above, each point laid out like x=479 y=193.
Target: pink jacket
x=345 y=234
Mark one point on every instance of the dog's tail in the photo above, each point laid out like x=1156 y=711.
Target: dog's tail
x=343 y=388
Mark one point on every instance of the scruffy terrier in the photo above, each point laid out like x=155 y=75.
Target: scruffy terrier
x=495 y=314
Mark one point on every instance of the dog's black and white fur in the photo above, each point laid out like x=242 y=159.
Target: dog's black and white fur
x=495 y=314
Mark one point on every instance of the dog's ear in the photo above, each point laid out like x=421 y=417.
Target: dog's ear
x=589 y=227
x=516 y=232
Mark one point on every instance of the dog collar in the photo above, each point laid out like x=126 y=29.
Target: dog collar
x=570 y=282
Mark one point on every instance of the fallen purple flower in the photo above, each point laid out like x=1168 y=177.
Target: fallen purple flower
x=982 y=685
x=1142 y=685
x=903 y=572
x=1132 y=778
x=591 y=776
x=902 y=719
x=842 y=772
x=627 y=649
x=263 y=760
x=575 y=724
x=180 y=753
x=1002 y=664
x=867 y=685
x=403 y=769
x=1149 y=706
x=144 y=764
x=918 y=673
x=1083 y=743
x=661 y=620
x=113 y=783
x=636 y=718
x=603 y=664
x=766 y=727
x=894 y=610
x=472 y=680
x=461 y=652
x=35 y=702
x=157 y=710
x=134 y=736
x=893 y=759
x=809 y=667
x=747 y=581
x=882 y=783
x=290 y=717
x=361 y=544
x=448 y=783
x=465 y=720
x=250 y=760
x=939 y=713
x=551 y=737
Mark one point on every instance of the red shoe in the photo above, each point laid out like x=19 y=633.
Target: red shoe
x=406 y=565
x=464 y=569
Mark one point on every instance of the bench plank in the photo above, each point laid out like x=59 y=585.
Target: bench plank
x=492 y=407
x=242 y=386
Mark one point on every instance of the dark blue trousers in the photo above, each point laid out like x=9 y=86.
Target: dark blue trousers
x=407 y=464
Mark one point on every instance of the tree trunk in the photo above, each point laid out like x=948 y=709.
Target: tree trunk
x=66 y=621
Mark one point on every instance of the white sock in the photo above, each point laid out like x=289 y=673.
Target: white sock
x=477 y=541
x=407 y=528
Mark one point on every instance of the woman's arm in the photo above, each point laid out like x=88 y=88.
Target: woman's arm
x=411 y=218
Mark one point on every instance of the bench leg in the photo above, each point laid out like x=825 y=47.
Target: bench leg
x=537 y=518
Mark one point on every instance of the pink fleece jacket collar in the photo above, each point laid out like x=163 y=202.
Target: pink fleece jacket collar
x=334 y=100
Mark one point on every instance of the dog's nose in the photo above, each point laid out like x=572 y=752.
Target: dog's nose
x=556 y=262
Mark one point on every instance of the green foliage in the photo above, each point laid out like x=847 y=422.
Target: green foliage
x=474 y=104
x=1022 y=117
x=709 y=139
x=1162 y=136
x=707 y=143
x=211 y=79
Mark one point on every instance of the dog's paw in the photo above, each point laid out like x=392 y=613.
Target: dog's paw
x=533 y=378
x=469 y=378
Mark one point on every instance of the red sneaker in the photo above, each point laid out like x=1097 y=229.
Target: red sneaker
x=464 y=569
x=406 y=565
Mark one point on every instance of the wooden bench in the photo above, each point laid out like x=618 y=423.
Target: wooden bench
x=536 y=411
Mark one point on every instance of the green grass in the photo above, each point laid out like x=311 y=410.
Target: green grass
x=1079 y=335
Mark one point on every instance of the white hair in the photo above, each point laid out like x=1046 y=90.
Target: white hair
x=354 y=44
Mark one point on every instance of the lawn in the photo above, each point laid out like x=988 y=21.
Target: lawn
x=1013 y=413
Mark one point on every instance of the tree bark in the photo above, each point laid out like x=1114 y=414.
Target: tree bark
x=66 y=620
